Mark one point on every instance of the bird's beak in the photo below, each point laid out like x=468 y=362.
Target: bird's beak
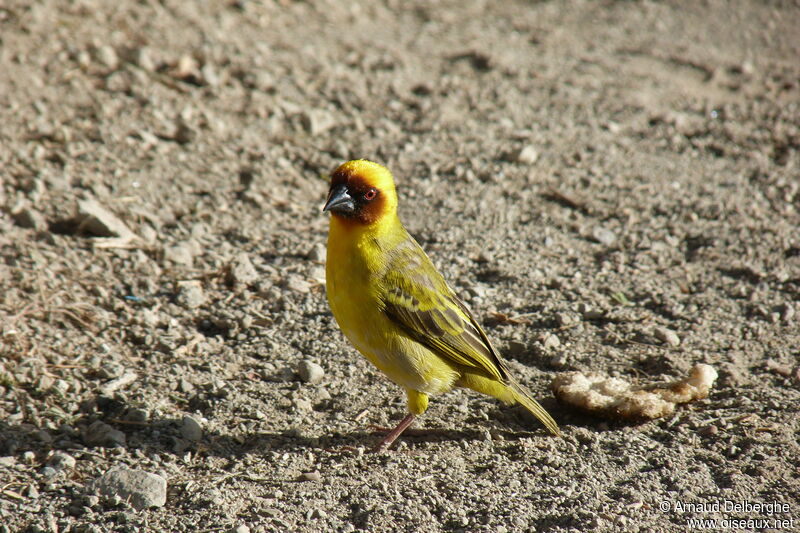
x=339 y=200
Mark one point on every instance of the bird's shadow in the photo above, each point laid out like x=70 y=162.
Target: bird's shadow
x=164 y=435
x=363 y=439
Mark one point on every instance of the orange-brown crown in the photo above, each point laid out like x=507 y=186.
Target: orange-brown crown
x=361 y=192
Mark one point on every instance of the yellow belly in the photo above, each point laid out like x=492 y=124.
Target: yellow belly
x=355 y=302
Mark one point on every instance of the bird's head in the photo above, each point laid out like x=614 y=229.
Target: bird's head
x=361 y=192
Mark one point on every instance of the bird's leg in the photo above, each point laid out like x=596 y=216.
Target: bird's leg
x=393 y=434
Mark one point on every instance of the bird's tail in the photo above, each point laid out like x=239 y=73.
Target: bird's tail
x=509 y=391
x=524 y=397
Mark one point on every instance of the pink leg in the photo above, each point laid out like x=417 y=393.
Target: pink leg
x=393 y=434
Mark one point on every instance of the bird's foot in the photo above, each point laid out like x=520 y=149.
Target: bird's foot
x=393 y=434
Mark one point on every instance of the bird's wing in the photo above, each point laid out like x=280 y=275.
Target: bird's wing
x=416 y=297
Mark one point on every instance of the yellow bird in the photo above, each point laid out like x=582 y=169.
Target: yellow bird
x=396 y=308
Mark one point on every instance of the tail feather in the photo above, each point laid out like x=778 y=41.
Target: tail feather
x=509 y=392
x=524 y=397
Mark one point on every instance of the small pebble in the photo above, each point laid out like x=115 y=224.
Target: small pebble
x=181 y=254
x=107 y=57
x=246 y=322
x=185 y=386
x=96 y=219
x=295 y=433
x=101 y=434
x=141 y=489
x=110 y=371
x=566 y=319
x=302 y=404
x=603 y=235
x=298 y=284
x=708 y=431
x=310 y=476
x=187 y=67
x=310 y=372
x=323 y=395
x=191 y=429
x=590 y=313
x=147 y=233
x=108 y=389
x=184 y=133
x=285 y=373
x=48 y=472
x=210 y=75
x=241 y=271
x=144 y=58
x=29 y=218
x=317 y=274
x=317 y=253
x=318 y=121
x=190 y=294
x=667 y=336
x=528 y=155
x=62 y=461
x=478 y=290
x=148 y=318
x=551 y=341
x=516 y=348
x=137 y=415
x=779 y=368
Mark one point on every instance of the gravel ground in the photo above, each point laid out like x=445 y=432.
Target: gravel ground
x=611 y=186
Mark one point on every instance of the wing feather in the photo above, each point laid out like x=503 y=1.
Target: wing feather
x=417 y=298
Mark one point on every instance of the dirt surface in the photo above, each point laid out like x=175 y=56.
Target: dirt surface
x=611 y=186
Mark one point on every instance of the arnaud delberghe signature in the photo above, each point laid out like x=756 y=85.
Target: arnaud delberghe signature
x=732 y=506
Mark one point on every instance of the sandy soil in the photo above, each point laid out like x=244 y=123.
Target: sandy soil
x=611 y=186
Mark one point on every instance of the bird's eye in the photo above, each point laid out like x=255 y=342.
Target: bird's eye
x=370 y=194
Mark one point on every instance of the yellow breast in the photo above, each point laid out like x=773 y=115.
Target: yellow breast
x=354 y=294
